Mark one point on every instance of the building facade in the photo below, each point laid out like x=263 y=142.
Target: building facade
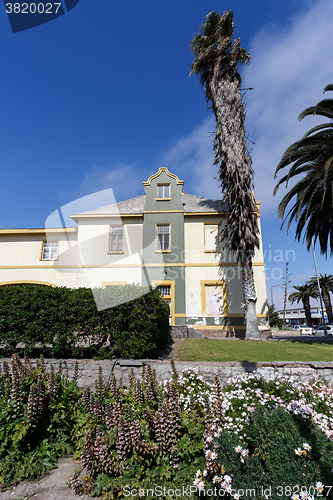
x=296 y=316
x=165 y=238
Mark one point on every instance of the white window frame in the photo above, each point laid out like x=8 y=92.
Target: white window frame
x=162 y=243
x=164 y=193
x=118 y=238
x=49 y=250
x=206 y=247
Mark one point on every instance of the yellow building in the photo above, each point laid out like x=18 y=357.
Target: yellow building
x=165 y=237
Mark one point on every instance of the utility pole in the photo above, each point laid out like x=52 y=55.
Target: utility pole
x=319 y=290
x=286 y=282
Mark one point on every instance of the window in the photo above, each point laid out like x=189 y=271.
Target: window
x=116 y=238
x=167 y=289
x=214 y=298
x=163 y=237
x=211 y=236
x=50 y=250
x=163 y=191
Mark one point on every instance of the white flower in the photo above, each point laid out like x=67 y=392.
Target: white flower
x=204 y=473
x=198 y=473
x=238 y=449
x=319 y=486
x=298 y=451
x=245 y=453
x=306 y=446
x=216 y=479
x=201 y=486
x=227 y=479
x=196 y=481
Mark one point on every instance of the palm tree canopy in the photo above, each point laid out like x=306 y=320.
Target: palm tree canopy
x=325 y=282
x=214 y=47
x=303 y=292
x=312 y=195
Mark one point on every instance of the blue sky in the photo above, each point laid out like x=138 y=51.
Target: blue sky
x=101 y=97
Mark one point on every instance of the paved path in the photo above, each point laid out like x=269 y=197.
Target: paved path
x=51 y=487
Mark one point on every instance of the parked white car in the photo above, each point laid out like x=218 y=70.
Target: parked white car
x=305 y=330
x=319 y=331
x=294 y=328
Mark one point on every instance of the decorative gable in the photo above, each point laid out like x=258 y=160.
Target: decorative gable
x=163 y=192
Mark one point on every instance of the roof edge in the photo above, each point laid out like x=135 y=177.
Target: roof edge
x=165 y=170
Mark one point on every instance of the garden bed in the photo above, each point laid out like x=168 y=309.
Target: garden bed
x=273 y=437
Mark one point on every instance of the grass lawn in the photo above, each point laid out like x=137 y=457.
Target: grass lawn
x=240 y=350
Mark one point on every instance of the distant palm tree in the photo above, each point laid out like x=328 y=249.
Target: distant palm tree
x=326 y=285
x=303 y=294
x=217 y=57
x=312 y=196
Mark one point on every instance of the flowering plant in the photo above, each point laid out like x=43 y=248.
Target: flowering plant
x=272 y=434
x=37 y=414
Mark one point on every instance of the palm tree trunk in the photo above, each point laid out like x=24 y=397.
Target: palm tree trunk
x=250 y=300
x=306 y=305
x=328 y=305
x=235 y=173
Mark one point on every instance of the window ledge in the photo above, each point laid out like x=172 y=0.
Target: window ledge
x=47 y=260
x=116 y=252
x=163 y=251
x=163 y=199
x=212 y=251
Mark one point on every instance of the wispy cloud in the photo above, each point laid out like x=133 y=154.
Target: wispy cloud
x=289 y=71
x=124 y=180
x=192 y=157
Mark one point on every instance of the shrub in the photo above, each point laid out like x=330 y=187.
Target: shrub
x=271 y=437
x=66 y=321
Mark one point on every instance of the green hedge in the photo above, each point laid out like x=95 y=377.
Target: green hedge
x=66 y=321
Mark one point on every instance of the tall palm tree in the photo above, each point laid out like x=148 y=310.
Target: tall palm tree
x=303 y=294
x=217 y=57
x=326 y=285
x=312 y=196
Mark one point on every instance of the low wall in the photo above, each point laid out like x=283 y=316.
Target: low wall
x=88 y=369
x=184 y=332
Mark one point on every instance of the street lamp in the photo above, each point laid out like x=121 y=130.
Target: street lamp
x=281 y=284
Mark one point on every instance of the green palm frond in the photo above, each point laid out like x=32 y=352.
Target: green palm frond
x=303 y=292
x=325 y=282
x=312 y=195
